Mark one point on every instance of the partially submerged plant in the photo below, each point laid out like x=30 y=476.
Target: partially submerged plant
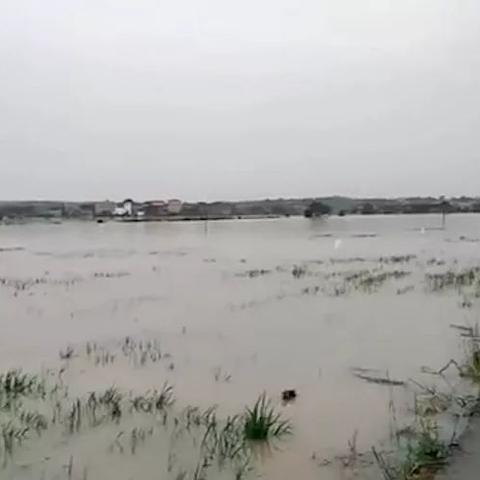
x=34 y=421
x=472 y=364
x=261 y=422
x=15 y=383
x=154 y=401
x=98 y=409
x=426 y=453
x=299 y=271
x=220 y=376
x=451 y=279
x=67 y=354
x=10 y=435
x=471 y=367
x=429 y=450
x=138 y=437
x=374 y=281
x=420 y=458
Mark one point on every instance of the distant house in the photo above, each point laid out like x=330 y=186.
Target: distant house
x=151 y=209
x=174 y=206
x=155 y=208
x=119 y=211
x=104 y=209
x=128 y=206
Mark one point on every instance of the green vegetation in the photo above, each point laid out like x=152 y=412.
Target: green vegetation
x=424 y=451
x=154 y=401
x=471 y=368
x=420 y=457
x=37 y=409
x=263 y=423
x=15 y=383
x=30 y=406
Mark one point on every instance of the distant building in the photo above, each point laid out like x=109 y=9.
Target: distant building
x=119 y=211
x=78 y=210
x=104 y=209
x=174 y=206
x=128 y=206
x=155 y=208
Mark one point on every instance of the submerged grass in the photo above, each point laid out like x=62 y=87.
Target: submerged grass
x=15 y=384
x=11 y=435
x=216 y=444
x=422 y=453
x=420 y=457
x=154 y=401
x=451 y=279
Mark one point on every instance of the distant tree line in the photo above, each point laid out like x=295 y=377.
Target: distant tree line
x=285 y=207
x=317 y=209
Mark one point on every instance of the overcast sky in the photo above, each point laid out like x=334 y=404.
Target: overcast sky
x=223 y=99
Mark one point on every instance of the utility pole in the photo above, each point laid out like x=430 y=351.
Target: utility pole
x=205 y=215
x=444 y=206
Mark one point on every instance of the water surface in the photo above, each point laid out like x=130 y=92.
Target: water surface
x=242 y=307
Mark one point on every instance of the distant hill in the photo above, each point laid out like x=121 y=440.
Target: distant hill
x=338 y=204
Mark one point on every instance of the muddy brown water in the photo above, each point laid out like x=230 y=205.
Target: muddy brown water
x=223 y=301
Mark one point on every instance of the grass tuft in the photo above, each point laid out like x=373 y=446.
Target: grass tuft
x=15 y=383
x=262 y=422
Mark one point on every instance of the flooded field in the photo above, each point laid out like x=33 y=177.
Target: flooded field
x=146 y=342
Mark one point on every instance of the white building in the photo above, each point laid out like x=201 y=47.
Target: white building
x=128 y=206
x=119 y=212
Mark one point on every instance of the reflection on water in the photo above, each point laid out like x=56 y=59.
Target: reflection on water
x=241 y=308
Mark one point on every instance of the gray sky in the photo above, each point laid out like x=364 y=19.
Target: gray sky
x=223 y=99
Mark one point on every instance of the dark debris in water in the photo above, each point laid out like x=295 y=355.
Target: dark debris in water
x=289 y=395
x=405 y=290
x=111 y=274
x=376 y=377
x=364 y=235
x=11 y=249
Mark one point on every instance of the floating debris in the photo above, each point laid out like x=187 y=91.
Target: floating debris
x=11 y=249
x=404 y=290
x=289 y=395
x=111 y=274
x=364 y=235
x=374 y=376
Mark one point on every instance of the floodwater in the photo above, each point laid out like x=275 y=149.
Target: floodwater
x=241 y=307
